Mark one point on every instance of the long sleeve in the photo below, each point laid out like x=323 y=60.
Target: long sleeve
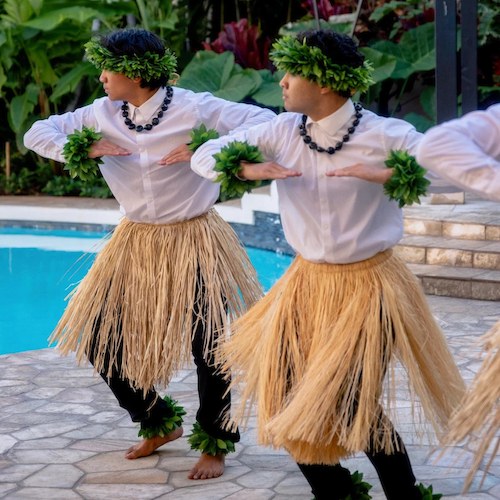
x=466 y=152
x=230 y=117
x=47 y=137
x=263 y=135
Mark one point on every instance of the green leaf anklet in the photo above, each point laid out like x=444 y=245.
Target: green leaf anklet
x=359 y=487
x=200 y=440
x=228 y=163
x=407 y=183
x=76 y=153
x=171 y=421
x=427 y=493
x=200 y=136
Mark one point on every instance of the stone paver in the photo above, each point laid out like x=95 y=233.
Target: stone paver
x=64 y=437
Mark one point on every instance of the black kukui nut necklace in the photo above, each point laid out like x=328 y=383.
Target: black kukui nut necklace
x=332 y=149
x=154 y=121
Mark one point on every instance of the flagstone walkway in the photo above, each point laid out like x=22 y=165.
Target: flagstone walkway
x=63 y=437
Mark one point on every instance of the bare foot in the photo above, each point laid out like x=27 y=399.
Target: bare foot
x=208 y=467
x=148 y=446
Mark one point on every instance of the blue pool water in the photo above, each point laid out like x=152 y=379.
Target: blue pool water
x=38 y=268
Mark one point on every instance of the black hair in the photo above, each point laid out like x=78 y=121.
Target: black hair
x=341 y=49
x=132 y=42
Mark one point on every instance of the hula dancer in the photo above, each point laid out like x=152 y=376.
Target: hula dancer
x=173 y=272
x=314 y=353
x=466 y=152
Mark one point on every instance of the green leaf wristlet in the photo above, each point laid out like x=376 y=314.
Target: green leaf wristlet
x=407 y=183
x=200 y=440
x=76 y=153
x=200 y=136
x=228 y=163
x=171 y=421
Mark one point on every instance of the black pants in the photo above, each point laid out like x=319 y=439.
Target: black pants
x=148 y=409
x=333 y=482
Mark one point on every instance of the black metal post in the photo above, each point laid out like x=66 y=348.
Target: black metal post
x=446 y=60
x=469 y=56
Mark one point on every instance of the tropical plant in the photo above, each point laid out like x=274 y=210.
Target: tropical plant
x=243 y=41
x=327 y=10
x=38 y=42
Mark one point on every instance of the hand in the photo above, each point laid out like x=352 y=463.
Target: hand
x=365 y=172
x=105 y=147
x=179 y=154
x=265 y=171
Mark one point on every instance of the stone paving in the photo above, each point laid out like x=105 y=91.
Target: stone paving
x=63 y=436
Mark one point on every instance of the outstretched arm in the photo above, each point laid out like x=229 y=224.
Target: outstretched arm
x=365 y=172
x=47 y=137
x=466 y=152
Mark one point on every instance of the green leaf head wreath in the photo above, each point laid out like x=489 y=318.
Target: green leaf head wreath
x=298 y=58
x=148 y=66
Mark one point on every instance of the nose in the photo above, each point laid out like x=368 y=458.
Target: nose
x=284 y=81
x=103 y=78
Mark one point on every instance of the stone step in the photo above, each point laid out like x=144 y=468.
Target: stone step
x=436 y=250
x=465 y=283
x=465 y=227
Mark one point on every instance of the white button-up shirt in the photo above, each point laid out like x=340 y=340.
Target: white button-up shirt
x=329 y=219
x=466 y=152
x=148 y=192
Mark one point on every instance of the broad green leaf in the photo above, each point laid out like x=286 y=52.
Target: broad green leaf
x=36 y=5
x=50 y=20
x=17 y=11
x=169 y=23
x=383 y=64
x=415 y=52
x=487 y=23
x=386 y=9
x=207 y=71
x=218 y=74
x=3 y=78
x=428 y=101
x=269 y=93
x=240 y=85
x=421 y=123
x=70 y=80
x=40 y=60
x=23 y=105
x=144 y=14
x=29 y=33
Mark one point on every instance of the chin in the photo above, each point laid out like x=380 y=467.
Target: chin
x=291 y=108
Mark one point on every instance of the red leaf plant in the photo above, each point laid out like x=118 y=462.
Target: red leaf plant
x=242 y=41
x=326 y=9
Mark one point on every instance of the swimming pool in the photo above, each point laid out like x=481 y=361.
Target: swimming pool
x=38 y=269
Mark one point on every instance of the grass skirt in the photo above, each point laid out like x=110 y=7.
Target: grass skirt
x=314 y=353
x=478 y=420
x=142 y=292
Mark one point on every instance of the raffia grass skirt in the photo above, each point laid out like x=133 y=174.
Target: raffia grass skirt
x=314 y=353
x=142 y=293
x=478 y=421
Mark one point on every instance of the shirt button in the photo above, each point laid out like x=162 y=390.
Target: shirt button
x=321 y=176
x=325 y=227
x=322 y=200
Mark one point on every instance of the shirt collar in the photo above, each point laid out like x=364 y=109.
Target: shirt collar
x=148 y=109
x=331 y=124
